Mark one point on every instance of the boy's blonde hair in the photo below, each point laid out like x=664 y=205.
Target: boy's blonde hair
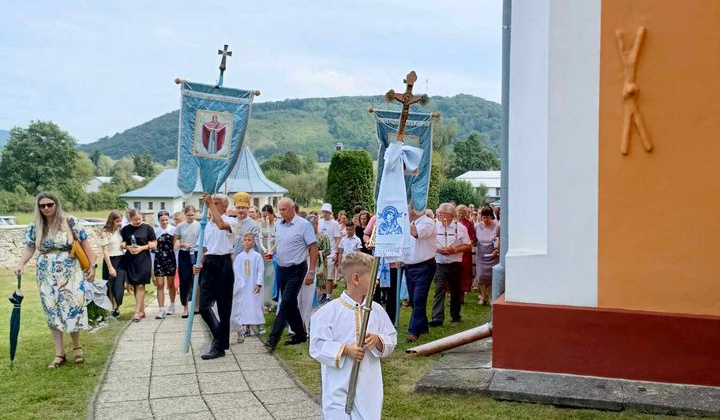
x=356 y=262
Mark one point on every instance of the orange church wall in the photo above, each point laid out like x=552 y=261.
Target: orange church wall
x=659 y=212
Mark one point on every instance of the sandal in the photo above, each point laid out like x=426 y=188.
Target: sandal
x=136 y=317
x=78 y=355
x=57 y=362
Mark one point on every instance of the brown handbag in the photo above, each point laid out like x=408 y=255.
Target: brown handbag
x=77 y=250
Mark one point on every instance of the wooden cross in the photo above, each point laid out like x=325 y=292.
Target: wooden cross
x=225 y=53
x=407 y=99
x=629 y=57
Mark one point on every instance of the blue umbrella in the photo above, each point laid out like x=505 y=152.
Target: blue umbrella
x=16 y=300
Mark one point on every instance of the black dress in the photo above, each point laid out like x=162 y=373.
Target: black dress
x=137 y=267
x=165 y=263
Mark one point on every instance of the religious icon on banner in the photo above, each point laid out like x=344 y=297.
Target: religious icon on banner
x=389 y=221
x=212 y=133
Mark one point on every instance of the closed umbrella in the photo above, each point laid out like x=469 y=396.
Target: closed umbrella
x=16 y=300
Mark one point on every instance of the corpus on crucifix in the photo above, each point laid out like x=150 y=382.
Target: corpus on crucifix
x=407 y=99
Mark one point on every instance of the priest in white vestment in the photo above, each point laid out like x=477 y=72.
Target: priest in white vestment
x=334 y=329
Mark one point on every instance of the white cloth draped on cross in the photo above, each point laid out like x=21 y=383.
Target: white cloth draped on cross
x=393 y=224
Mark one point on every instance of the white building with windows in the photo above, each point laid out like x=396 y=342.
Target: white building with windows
x=488 y=179
x=162 y=193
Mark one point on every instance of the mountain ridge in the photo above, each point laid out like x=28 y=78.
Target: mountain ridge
x=306 y=126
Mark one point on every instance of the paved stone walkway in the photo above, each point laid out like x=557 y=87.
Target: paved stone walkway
x=149 y=377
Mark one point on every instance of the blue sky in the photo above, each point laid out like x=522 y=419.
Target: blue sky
x=101 y=67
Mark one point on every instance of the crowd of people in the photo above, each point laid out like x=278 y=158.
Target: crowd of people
x=254 y=261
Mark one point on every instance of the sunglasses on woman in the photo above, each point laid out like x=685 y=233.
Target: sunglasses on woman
x=46 y=205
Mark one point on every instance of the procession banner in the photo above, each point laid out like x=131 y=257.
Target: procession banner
x=392 y=240
x=418 y=133
x=213 y=121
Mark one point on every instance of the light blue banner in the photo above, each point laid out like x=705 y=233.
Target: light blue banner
x=418 y=133
x=213 y=121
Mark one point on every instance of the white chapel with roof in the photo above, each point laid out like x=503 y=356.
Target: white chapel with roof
x=162 y=193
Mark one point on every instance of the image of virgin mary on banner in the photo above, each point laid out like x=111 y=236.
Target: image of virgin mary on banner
x=213 y=121
x=418 y=133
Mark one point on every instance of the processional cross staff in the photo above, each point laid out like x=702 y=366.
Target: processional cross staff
x=225 y=54
x=407 y=99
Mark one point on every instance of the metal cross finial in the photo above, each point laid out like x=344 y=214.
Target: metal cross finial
x=225 y=53
x=407 y=99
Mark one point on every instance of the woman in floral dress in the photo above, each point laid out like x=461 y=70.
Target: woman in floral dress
x=59 y=276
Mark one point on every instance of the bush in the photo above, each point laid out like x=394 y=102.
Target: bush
x=461 y=192
x=350 y=181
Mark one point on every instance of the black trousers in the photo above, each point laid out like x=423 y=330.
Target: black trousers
x=115 y=285
x=390 y=295
x=216 y=286
x=185 y=275
x=447 y=275
x=290 y=280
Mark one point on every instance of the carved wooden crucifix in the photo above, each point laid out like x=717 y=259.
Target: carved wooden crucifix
x=407 y=99
x=629 y=57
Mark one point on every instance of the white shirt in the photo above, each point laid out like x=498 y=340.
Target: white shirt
x=219 y=242
x=334 y=326
x=350 y=244
x=331 y=229
x=457 y=235
x=423 y=248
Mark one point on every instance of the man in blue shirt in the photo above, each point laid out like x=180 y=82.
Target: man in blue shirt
x=295 y=242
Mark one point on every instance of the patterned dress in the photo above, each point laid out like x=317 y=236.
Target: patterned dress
x=60 y=279
x=165 y=264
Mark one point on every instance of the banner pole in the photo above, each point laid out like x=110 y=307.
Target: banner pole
x=195 y=294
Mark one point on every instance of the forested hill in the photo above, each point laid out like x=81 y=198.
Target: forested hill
x=307 y=126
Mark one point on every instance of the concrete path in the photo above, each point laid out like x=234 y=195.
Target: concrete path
x=149 y=377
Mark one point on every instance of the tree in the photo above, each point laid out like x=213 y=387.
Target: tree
x=144 y=165
x=461 y=192
x=350 y=180
x=41 y=156
x=444 y=132
x=288 y=162
x=472 y=155
x=104 y=166
x=95 y=157
x=436 y=178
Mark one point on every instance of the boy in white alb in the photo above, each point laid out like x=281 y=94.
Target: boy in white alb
x=333 y=343
x=349 y=243
x=247 y=304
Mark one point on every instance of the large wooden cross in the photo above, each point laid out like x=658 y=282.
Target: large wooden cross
x=407 y=99
x=225 y=53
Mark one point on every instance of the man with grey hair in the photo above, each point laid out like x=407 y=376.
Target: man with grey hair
x=452 y=239
x=295 y=240
x=216 y=274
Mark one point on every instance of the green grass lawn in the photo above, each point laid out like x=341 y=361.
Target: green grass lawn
x=26 y=218
x=401 y=371
x=29 y=390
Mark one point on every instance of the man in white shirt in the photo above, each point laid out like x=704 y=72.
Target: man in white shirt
x=452 y=239
x=331 y=228
x=216 y=274
x=420 y=270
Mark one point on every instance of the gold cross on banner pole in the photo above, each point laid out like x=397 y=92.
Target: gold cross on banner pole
x=407 y=99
